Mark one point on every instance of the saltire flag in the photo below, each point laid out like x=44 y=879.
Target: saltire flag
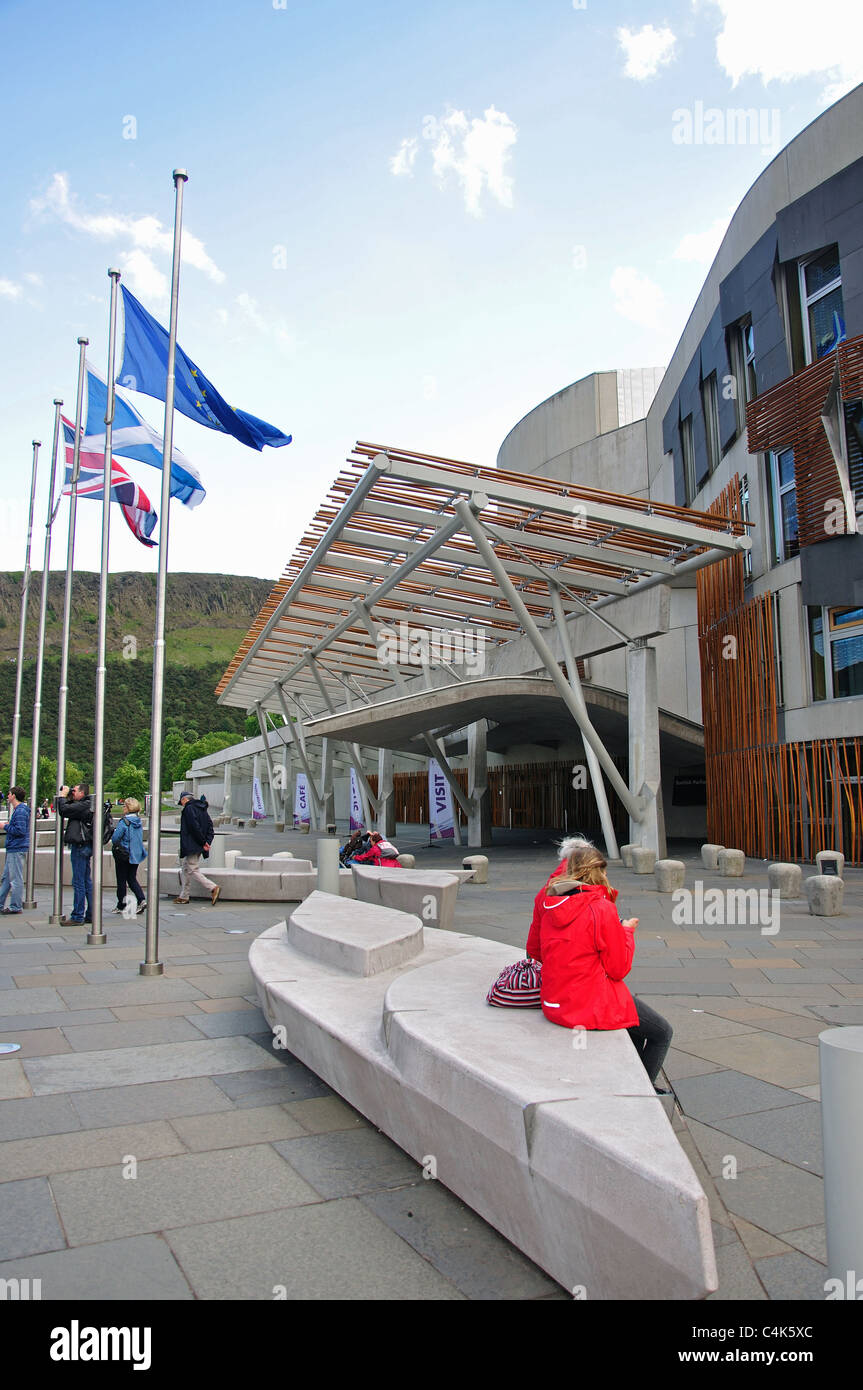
x=145 y=369
x=133 y=501
x=133 y=438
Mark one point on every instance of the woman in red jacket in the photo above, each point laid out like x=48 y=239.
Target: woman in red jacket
x=586 y=952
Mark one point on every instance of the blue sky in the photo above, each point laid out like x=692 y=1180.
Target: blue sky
x=406 y=223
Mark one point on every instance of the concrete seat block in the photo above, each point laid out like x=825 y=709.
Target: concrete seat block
x=642 y=859
x=731 y=863
x=566 y=1151
x=831 y=857
x=359 y=938
x=786 y=880
x=626 y=855
x=231 y=857
x=825 y=895
x=429 y=894
x=669 y=874
x=710 y=856
x=479 y=864
x=407 y=861
x=283 y=854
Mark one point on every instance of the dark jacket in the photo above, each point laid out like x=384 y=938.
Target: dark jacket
x=18 y=829
x=196 y=828
x=78 y=816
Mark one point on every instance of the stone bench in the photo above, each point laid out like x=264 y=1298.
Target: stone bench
x=566 y=1151
x=240 y=885
x=429 y=894
x=44 y=867
x=271 y=864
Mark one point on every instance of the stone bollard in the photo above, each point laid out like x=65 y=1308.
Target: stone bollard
x=279 y=825
x=407 y=861
x=827 y=858
x=304 y=827
x=785 y=879
x=825 y=894
x=669 y=874
x=241 y=824
x=252 y=825
x=231 y=857
x=731 y=863
x=283 y=854
x=710 y=856
x=642 y=859
x=479 y=864
x=626 y=855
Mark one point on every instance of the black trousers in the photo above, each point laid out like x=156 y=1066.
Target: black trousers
x=652 y=1037
x=127 y=881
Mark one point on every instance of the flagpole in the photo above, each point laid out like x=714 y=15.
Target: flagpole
x=63 y=695
x=96 y=937
x=151 y=965
x=25 y=594
x=30 y=896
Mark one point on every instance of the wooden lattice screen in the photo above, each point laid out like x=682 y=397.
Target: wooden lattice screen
x=774 y=800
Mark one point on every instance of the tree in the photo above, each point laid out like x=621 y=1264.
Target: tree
x=201 y=748
x=129 y=780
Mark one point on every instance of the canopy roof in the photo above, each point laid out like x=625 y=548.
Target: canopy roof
x=389 y=536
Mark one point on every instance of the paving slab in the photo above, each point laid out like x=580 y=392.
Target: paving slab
x=186 y=1190
x=32 y=1116
x=680 y=1064
x=779 y=1061
x=55 y=1019
x=777 y=1199
x=794 y=1276
x=101 y=1036
x=333 y=1251
x=324 y=1114
x=349 y=1162
x=28 y=1001
x=711 y=1098
x=141 y=1269
x=13 y=1079
x=812 y=1240
x=61 y=1153
x=792 y=1134
x=231 y=1021
x=28 y=1221
x=130 y=1013
x=139 y=991
x=716 y=1146
x=36 y=1042
x=158 y=1100
x=758 y=1243
x=288 y=1082
x=737 y=1278
x=459 y=1244
x=256 y=1125
x=84 y=1071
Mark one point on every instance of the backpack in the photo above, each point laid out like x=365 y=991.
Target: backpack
x=107 y=828
x=517 y=987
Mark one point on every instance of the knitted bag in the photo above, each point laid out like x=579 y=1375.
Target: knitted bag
x=517 y=987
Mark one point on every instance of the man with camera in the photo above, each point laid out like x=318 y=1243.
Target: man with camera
x=77 y=811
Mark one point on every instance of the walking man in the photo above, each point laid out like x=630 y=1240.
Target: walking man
x=17 y=845
x=196 y=835
x=77 y=812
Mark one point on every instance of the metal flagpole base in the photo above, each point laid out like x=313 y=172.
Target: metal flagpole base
x=30 y=904
x=54 y=920
x=96 y=938
x=154 y=967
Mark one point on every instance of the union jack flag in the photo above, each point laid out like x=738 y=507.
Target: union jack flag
x=132 y=499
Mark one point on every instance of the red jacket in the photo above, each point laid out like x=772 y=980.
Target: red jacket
x=375 y=859
x=586 y=952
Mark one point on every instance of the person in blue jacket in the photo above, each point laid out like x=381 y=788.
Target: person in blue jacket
x=127 y=846
x=17 y=845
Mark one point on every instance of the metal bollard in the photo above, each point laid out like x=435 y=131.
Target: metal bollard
x=328 y=866
x=840 y=1052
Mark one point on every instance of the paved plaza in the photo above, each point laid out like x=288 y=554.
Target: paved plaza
x=156 y=1146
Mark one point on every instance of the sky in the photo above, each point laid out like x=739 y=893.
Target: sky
x=404 y=223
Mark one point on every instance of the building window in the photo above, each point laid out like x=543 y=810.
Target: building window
x=746 y=515
x=688 y=451
x=742 y=350
x=821 y=304
x=836 y=652
x=710 y=406
x=783 y=505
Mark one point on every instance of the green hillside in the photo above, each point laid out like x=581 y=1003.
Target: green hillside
x=207 y=616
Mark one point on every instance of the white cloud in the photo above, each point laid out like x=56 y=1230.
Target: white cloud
x=403 y=161
x=32 y=278
x=250 y=314
x=9 y=290
x=144 y=276
x=646 y=49
x=637 y=297
x=476 y=150
x=780 y=40
x=701 y=247
x=145 y=233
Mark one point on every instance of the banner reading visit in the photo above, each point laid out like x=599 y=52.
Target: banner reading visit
x=356 y=803
x=441 y=821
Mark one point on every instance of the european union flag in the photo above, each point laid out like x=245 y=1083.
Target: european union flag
x=145 y=368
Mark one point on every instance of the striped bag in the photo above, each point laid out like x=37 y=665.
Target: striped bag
x=517 y=987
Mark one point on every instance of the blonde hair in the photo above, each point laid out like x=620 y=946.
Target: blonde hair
x=584 y=864
x=132 y=805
